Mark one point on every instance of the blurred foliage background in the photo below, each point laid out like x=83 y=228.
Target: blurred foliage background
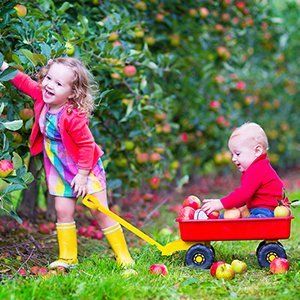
x=173 y=79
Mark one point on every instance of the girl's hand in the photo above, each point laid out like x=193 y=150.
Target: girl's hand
x=211 y=205
x=79 y=184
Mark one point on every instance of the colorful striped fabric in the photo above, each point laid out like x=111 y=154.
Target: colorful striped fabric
x=60 y=168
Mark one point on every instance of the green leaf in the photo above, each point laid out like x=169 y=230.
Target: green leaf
x=21 y=171
x=128 y=112
x=35 y=58
x=46 y=50
x=17 y=161
x=1 y=108
x=5 y=143
x=13 y=187
x=13 y=125
x=8 y=74
x=28 y=178
x=64 y=8
x=14 y=215
x=1 y=59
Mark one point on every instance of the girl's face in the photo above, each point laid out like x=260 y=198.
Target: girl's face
x=57 y=85
x=243 y=152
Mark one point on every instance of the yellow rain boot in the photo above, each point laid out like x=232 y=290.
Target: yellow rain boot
x=67 y=243
x=116 y=239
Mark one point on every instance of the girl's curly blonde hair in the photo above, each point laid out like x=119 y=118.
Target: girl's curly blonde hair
x=83 y=85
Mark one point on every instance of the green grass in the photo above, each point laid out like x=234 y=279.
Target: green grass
x=97 y=276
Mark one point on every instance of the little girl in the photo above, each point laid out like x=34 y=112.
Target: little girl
x=62 y=105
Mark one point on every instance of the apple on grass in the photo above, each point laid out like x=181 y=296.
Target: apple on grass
x=158 y=269
x=214 y=267
x=186 y=213
x=279 y=265
x=225 y=271
x=238 y=266
x=192 y=201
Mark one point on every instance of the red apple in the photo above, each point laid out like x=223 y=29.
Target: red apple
x=214 y=104
x=42 y=271
x=203 y=12
x=142 y=158
x=158 y=269
x=233 y=213
x=6 y=167
x=214 y=215
x=238 y=266
x=184 y=137
x=81 y=230
x=155 y=157
x=154 y=182
x=129 y=71
x=282 y=211
x=279 y=266
x=240 y=85
x=214 y=267
x=22 y=272
x=225 y=271
x=26 y=114
x=98 y=235
x=192 y=201
x=186 y=213
x=44 y=228
x=34 y=270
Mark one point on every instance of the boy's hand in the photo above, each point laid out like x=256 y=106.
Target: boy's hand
x=211 y=205
x=79 y=184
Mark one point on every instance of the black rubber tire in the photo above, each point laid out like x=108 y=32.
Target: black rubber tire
x=264 y=243
x=199 y=256
x=259 y=246
x=268 y=251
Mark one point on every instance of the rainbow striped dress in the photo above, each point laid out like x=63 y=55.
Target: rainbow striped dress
x=60 y=168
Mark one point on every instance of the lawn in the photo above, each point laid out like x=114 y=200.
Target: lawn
x=97 y=276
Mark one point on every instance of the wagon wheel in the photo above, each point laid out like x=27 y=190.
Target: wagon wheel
x=268 y=252
x=264 y=243
x=199 y=256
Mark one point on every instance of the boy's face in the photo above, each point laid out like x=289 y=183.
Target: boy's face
x=243 y=152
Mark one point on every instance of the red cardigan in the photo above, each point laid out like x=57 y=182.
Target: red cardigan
x=260 y=187
x=73 y=126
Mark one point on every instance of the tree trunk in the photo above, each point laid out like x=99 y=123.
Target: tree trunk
x=27 y=208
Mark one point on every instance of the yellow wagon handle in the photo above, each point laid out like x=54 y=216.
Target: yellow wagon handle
x=92 y=202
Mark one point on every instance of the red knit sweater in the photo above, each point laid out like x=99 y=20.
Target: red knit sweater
x=260 y=187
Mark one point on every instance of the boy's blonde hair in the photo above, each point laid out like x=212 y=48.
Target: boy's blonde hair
x=83 y=84
x=253 y=132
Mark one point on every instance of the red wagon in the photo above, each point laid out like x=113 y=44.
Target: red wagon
x=202 y=232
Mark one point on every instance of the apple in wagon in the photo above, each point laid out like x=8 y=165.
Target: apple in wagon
x=192 y=201
x=186 y=213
